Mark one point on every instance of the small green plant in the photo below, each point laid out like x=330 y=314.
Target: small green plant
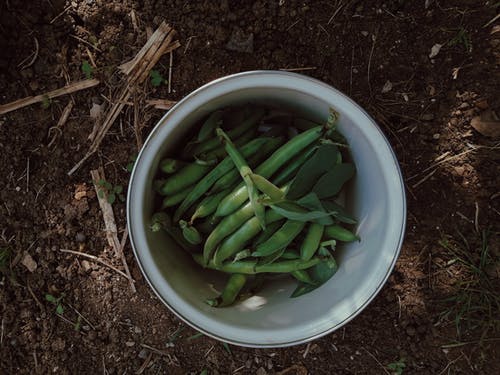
x=87 y=69
x=46 y=102
x=111 y=192
x=156 y=78
x=462 y=38
x=397 y=367
x=226 y=346
x=130 y=166
x=56 y=301
x=476 y=300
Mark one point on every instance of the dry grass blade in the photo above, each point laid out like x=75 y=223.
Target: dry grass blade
x=161 y=103
x=71 y=88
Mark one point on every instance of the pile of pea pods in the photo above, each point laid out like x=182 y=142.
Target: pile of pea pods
x=255 y=193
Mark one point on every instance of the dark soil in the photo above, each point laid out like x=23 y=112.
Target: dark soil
x=355 y=46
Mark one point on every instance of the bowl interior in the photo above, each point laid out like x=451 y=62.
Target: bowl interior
x=271 y=318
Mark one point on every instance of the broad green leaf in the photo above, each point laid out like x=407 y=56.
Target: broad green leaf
x=310 y=172
x=118 y=189
x=108 y=185
x=338 y=212
x=100 y=193
x=332 y=181
x=50 y=298
x=101 y=182
x=311 y=202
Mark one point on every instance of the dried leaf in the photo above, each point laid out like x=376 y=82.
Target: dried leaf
x=387 y=87
x=486 y=125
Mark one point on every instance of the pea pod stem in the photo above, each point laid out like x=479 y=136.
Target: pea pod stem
x=245 y=172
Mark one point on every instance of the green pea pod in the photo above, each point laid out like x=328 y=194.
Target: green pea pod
x=174 y=199
x=208 y=127
x=220 y=170
x=190 y=233
x=311 y=241
x=185 y=177
x=245 y=172
x=170 y=166
x=267 y=187
x=248 y=123
x=280 y=239
x=271 y=257
x=238 y=196
x=220 y=152
x=237 y=241
x=303 y=277
x=266 y=234
x=248 y=267
x=206 y=226
x=233 y=177
x=339 y=233
x=208 y=205
x=290 y=254
x=233 y=287
x=229 y=225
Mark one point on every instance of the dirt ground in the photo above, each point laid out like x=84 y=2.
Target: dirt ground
x=439 y=311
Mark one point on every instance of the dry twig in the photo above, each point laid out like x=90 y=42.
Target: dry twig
x=71 y=88
x=62 y=120
x=136 y=71
x=110 y=224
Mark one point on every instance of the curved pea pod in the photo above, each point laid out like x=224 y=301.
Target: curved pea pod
x=190 y=233
x=170 y=166
x=217 y=172
x=207 y=129
x=212 y=143
x=207 y=225
x=266 y=234
x=233 y=177
x=245 y=171
x=340 y=233
x=271 y=257
x=208 y=205
x=185 y=177
x=244 y=267
x=280 y=239
x=230 y=224
x=220 y=152
x=237 y=241
x=238 y=196
x=311 y=241
x=233 y=287
x=174 y=199
x=290 y=254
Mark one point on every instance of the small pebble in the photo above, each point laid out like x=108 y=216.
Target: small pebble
x=130 y=343
x=143 y=354
x=436 y=136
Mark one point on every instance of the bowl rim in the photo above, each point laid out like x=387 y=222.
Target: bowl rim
x=209 y=86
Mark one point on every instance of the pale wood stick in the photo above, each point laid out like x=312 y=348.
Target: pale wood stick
x=110 y=223
x=73 y=87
